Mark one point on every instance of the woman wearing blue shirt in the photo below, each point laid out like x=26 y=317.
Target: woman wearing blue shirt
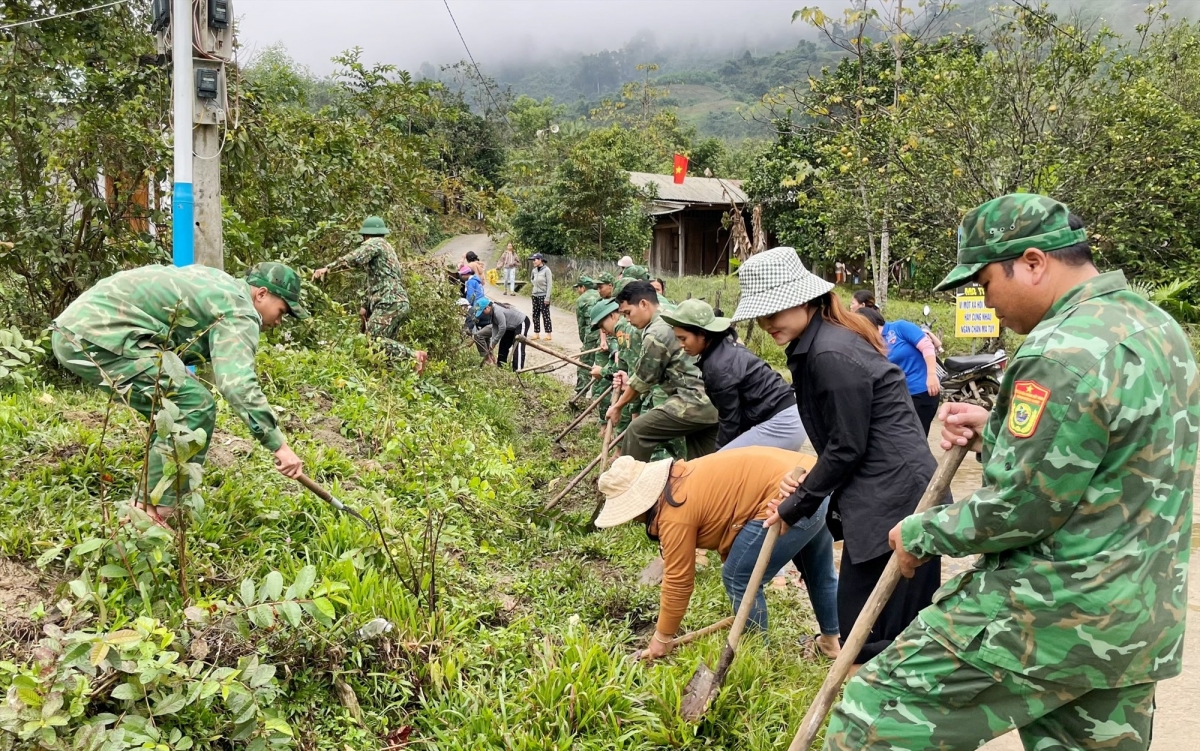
x=910 y=348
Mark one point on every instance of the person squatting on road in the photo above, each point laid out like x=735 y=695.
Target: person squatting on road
x=507 y=324
x=1076 y=609
x=686 y=413
x=542 y=284
x=508 y=268
x=716 y=502
x=913 y=352
x=755 y=406
x=872 y=456
x=387 y=301
x=114 y=334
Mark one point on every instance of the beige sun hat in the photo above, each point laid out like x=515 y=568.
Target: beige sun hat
x=630 y=489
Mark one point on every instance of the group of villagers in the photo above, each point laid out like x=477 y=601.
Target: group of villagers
x=1075 y=608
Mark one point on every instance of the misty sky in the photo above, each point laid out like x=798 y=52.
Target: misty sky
x=410 y=32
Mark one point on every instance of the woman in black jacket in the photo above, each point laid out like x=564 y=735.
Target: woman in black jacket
x=756 y=407
x=872 y=456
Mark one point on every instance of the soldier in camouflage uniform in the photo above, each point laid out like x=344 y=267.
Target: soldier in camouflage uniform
x=604 y=288
x=386 y=305
x=1076 y=609
x=686 y=412
x=588 y=296
x=115 y=333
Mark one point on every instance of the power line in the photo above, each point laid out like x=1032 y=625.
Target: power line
x=61 y=15
x=482 y=80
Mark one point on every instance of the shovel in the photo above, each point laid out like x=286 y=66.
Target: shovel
x=701 y=691
x=326 y=496
x=884 y=588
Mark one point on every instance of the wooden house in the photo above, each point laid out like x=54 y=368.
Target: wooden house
x=689 y=238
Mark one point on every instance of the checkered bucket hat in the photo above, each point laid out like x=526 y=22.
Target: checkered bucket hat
x=776 y=280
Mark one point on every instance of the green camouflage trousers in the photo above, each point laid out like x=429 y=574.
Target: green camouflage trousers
x=193 y=399
x=383 y=324
x=924 y=693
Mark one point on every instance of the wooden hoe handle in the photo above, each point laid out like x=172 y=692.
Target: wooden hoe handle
x=884 y=588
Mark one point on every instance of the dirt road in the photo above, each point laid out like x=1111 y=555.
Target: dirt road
x=566 y=335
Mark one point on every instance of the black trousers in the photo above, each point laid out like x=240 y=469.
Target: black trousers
x=509 y=342
x=541 y=312
x=855 y=583
x=927 y=408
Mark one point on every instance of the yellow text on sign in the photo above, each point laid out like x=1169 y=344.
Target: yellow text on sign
x=971 y=318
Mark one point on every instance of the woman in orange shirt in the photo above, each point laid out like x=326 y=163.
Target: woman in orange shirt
x=716 y=502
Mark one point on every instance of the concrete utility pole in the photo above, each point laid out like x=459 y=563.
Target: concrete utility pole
x=201 y=44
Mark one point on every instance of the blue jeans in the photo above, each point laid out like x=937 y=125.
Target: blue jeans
x=809 y=544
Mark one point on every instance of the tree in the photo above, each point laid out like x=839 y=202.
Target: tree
x=82 y=141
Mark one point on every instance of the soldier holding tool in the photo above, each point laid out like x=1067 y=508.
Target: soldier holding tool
x=114 y=335
x=1076 y=610
x=387 y=300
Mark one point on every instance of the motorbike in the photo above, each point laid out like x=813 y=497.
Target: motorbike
x=972 y=379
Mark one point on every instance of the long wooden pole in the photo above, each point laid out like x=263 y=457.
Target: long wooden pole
x=560 y=365
x=870 y=613
x=553 y=353
x=587 y=411
x=692 y=636
x=586 y=470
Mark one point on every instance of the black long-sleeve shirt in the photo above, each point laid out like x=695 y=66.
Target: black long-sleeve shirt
x=743 y=388
x=872 y=455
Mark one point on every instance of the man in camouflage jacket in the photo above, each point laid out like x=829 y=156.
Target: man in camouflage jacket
x=387 y=304
x=114 y=336
x=588 y=296
x=686 y=412
x=1076 y=609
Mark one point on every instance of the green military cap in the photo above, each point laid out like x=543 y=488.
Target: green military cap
x=601 y=310
x=585 y=281
x=1006 y=227
x=373 y=225
x=281 y=281
x=636 y=272
x=605 y=278
x=696 y=313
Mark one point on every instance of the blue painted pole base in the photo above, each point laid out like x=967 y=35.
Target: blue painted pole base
x=183 y=212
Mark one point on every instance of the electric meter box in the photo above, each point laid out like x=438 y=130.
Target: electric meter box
x=218 y=14
x=211 y=95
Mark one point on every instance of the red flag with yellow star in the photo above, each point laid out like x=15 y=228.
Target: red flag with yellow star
x=681 y=163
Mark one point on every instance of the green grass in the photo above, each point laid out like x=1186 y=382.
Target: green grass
x=528 y=646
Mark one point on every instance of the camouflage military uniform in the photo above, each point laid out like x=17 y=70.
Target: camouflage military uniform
x=686 y=412
x=604 y=356
x=589 y=338
x=1077 y=606
x=387 y=300
x=124 y=323
x=629 y=348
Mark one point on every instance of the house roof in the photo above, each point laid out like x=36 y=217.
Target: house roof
x=694 y=190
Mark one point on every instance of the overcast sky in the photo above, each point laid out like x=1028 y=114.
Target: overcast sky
x=410 y=32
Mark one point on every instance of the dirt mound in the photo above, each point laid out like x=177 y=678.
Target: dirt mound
x=226 y=450
x=21 y=588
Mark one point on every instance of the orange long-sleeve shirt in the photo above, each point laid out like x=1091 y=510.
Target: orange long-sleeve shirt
x=719 y=494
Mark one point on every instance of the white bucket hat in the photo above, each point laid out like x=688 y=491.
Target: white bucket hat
x=630 y=488
x=776 y=280
x=625 y=262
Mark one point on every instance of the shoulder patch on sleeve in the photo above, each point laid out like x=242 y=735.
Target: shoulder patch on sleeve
x=1028 y=403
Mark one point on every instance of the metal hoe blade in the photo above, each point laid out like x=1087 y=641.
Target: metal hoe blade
x=698 y=694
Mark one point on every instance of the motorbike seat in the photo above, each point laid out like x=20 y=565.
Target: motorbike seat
x=968 y=362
